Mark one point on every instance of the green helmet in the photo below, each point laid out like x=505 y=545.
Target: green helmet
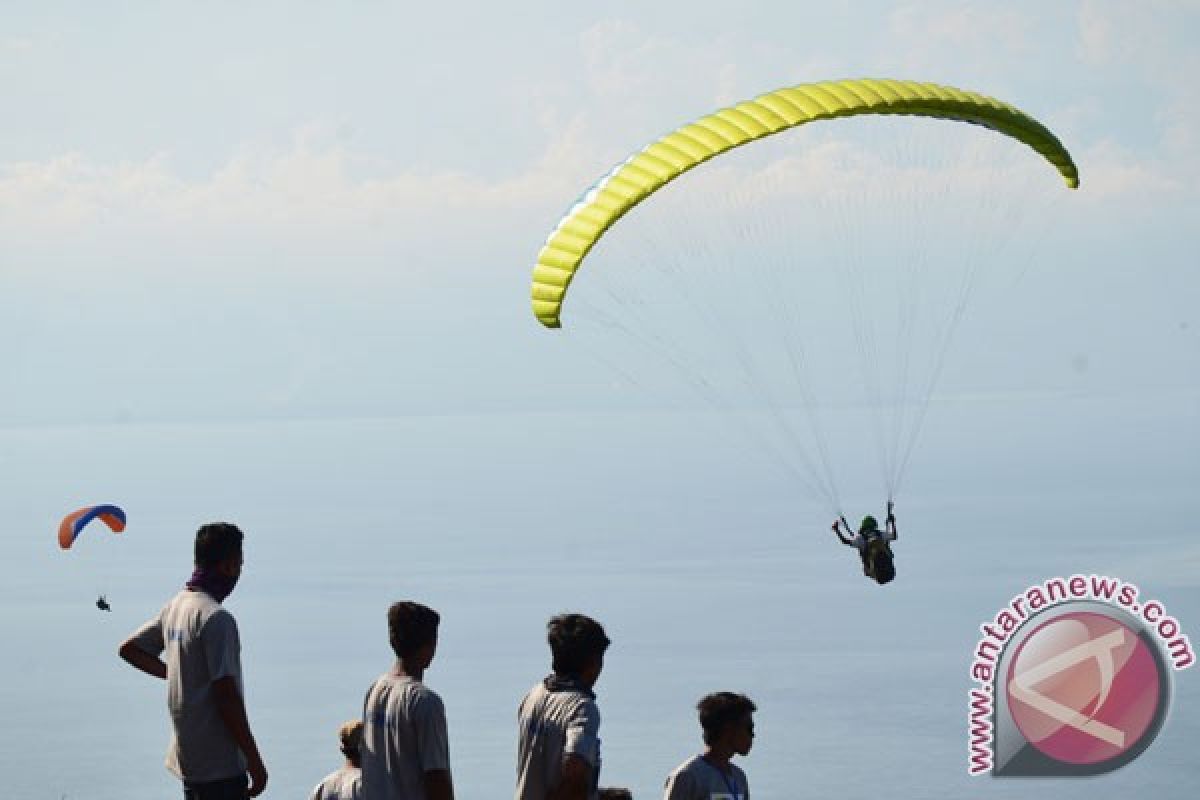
x=868 y=524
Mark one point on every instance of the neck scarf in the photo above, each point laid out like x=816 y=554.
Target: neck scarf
x=566 y=683
x=212 y=582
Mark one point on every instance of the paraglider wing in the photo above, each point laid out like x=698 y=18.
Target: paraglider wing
x=648 y=170
x=74 y=523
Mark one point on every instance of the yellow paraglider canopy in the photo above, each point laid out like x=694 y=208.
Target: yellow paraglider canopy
x=653 y=167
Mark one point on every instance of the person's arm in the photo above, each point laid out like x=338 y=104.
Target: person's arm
x=233 y=713
x=679 y=787
x=433 y=746
x=837 y=532
x=438 y=785
x=135 y=656
x=576 y=779
x=143 y=648
x=581 y=752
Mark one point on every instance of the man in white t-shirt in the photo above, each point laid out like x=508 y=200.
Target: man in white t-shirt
x=728 y=724
x=558 y=737
x=344 y=783
x=405 y=750
x=213 y=748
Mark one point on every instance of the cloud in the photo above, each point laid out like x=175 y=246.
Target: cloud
x=972 y=33
x=628 y=67
x=314 y=185
x=17 y=45
x=1145 y=53
x=1123 y=31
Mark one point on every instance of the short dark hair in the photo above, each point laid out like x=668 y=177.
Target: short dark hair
x=411 y=626
x=576 y=642
x=217 y=542
x=720 y=710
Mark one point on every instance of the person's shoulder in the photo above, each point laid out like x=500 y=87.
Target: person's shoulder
x=683 y=775
x=180 y=599
x=688 y=765
x=424 y=694
x=535 y=693
x=381 y=683
x=577 y=701
x=329 y=781
x=215 y=617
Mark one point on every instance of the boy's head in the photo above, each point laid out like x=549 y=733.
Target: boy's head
x=577 y=644
x=727 y=721
x=412 y=630
x=350 y=740
x=219 y=547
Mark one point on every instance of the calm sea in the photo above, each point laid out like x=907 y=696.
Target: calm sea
x=709 y=571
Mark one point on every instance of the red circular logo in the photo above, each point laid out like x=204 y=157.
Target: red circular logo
x=1083 y=688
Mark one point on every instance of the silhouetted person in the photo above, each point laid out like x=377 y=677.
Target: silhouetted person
x=727 y=720
x=405 y=750
x=343 y=784
x=558 y=738
x=873 y=545
x=212 y=749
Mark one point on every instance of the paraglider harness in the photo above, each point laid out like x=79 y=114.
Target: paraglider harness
x=878 y=561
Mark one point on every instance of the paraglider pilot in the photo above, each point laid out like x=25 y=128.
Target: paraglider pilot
x=102 y=603
x=872 y=544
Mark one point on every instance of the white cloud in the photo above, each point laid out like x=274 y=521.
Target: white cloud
x=626 y=66
x=17 y=44
x=1149 y=57
x=1111 y=171
x=314 y=185
x=932 y=34
x=1120 y=31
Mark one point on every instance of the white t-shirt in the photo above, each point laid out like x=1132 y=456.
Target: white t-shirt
x=696 y=779
x=340 y=785
x=553 y=725
x=200 y=640
x=404 y=736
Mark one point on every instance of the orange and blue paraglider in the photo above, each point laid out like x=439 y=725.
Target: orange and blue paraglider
x=74 y=523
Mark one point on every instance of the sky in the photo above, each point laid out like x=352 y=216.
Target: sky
x=219 y=221
x=321 y=210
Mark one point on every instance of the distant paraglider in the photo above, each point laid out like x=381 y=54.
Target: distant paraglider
x=74 y=523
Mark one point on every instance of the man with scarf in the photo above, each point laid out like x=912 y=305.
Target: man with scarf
x=213 y=749
x=558 y=741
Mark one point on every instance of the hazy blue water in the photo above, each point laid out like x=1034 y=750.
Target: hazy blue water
x=705 y=570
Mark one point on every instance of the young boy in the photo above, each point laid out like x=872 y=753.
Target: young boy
x=558 y=742
x=405 y=751
x=344 y=783
x=728 y=724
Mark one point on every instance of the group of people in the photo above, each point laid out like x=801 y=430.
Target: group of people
x=399 y=749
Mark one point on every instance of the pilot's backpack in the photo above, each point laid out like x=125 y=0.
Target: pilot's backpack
x=880 y=564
